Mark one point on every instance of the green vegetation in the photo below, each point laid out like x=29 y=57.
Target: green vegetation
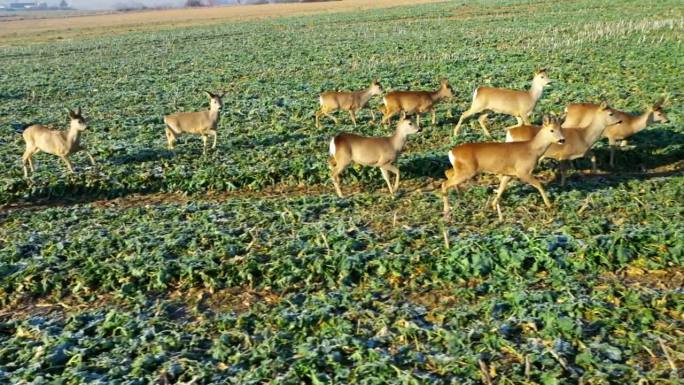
x=243 y=267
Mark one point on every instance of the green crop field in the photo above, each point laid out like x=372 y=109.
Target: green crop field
x=244 y=267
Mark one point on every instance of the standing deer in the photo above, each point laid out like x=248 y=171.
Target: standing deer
x=578 y=141
x=379 y=152
x=60 y=143
x=418 y=102
x=202 y=123
x=351 y=102
x=505 y=101
x=503 y=159
x=581 y=115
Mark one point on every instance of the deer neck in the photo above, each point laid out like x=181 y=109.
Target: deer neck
x=365 y=95
x=398 y=140
x=642 y=121
x=594 y=131
x=214 y=116
x=539 y=145
x=73 y=136
x=536 y=90
x=437 y=95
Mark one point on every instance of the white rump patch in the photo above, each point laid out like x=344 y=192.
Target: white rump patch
x=320 y=100
x=452 y=160
x=509 y=138
x=332 y=147
x=475 y=94
x=384 y=100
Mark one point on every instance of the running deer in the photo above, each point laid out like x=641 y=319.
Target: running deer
x=59 y=143
x=202 y=123
x=351 y=102
x=503 y=159
x=506 y=101
x=581 y=114
x=418 y=102
x=379 y=152
x=578 y=140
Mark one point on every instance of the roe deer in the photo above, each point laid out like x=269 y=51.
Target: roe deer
x=351 y=102
x=60 y=143
x=503 y=159
x=581 y=115
x=199 y=123
x=506 y=101
x=578 y=141
x=418 y=102
x=379 y=152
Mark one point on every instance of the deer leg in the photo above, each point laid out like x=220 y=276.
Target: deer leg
x=385 y=176
x=502 y=187
x=352 y=114
x=317 y=118
x=562 y=168
x=594 y=167
x=334 y=119
x=418 y=119
x=403 y=114
x=464 y=116
x=214 y=134
x=612 y=156
x=537 y=184
x=434 y=116
x=90 y=156
x=170 y=138
x=204 y=141
x=372 y=115
x=388 y=115
x=26 y=159
x=68 y=164
x=455 y=178
x=395 y=170
x=335 y=175
x=483 y=123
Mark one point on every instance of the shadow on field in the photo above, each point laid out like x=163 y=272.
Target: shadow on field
x=7 y=95
x=142 y=156
x=428 y=166
x=267 y=141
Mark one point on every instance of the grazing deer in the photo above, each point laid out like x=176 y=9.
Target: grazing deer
x=418 y=102
x=60 y=143
x=504 y=159
x=581 y=114
x=351 y=102
x=505 y=101
x=199 y=123
x=379 y=152
x=578 y=141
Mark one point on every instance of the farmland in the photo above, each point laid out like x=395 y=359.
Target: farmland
x=244 y=267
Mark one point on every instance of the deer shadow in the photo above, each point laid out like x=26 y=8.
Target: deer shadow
x=142 y=156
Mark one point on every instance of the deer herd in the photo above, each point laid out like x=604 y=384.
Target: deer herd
x=583 y=125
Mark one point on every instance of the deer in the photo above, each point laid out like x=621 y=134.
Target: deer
x=519 y=104
x=202 y=123
x=59 y=143
x=381 y=152
x=581 y=114
x=418 y=102
x=351 y=102
x=503 y=159
x=578 y=140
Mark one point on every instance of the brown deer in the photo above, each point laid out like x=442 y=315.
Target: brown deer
x=503 y=159
x=351 y=102
x=418 y=102
x=581 y=115
x=578 y=141
x=202 y=123
x=59 y=143
x=506 y=101
x=379 y=152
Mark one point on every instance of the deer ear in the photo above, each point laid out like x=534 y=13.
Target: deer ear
x=209 y=93
x=659 y=104
x=79 y=111
x=545 y=120
x=603 y=105
x=69 y=112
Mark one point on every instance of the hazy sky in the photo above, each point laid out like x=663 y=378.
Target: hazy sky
x=107 y=4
